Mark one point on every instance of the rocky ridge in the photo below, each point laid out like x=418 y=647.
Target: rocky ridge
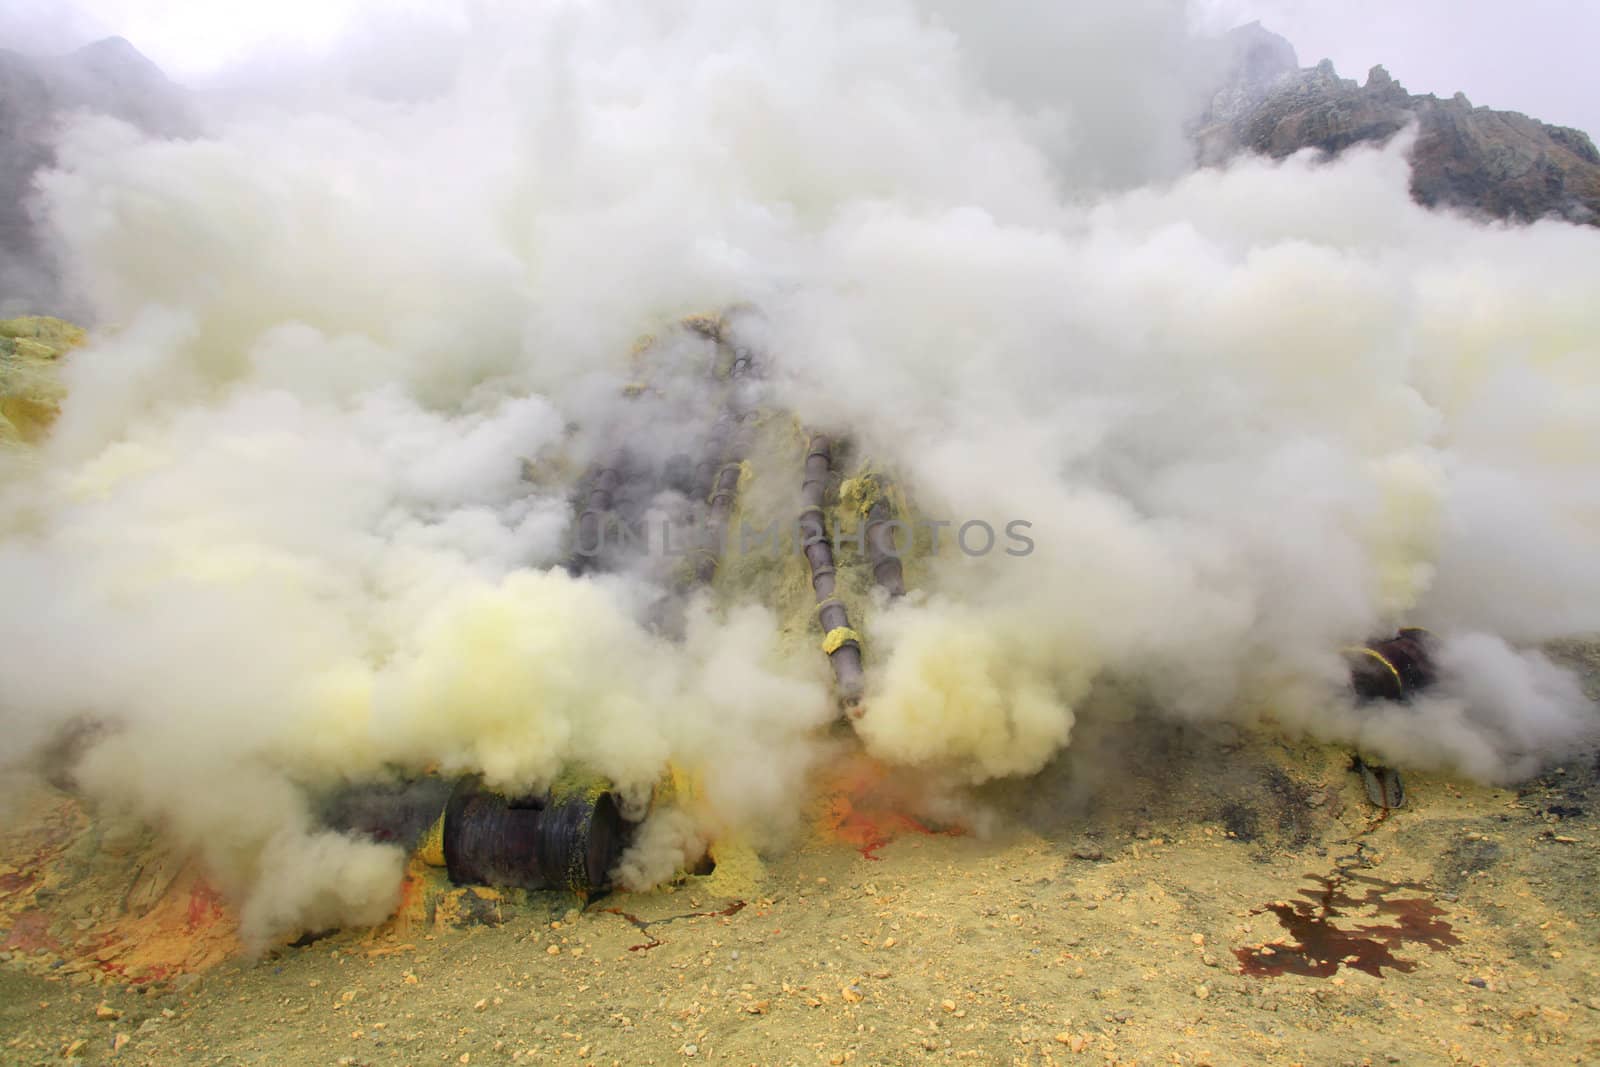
x=1499 y=164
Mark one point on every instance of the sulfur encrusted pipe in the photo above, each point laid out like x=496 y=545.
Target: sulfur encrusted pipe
x=882 y=552
x=568 y=838
x=840 y=642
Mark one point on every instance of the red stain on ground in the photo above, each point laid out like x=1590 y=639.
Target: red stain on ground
x=205 y=906
x=29 y=933
x=867 y=807
x=149 y=915
x=16 y=882
x=868 y=829
x=1317 y=947
x=643 y=925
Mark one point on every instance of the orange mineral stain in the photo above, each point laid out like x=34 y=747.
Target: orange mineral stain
x=866 y=806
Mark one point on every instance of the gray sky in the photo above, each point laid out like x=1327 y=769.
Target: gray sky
x=1525 y=55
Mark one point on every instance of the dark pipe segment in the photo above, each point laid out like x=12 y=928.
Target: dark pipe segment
x=1394 y=669
x=840 y=643
x=882 y=552
x=557 y=842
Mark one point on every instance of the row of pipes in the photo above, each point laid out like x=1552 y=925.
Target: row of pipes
x=573 y=839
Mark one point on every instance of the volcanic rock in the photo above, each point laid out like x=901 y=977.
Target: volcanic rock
x=1500 y=164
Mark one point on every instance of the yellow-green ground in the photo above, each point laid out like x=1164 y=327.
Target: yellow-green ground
x=1102 y=922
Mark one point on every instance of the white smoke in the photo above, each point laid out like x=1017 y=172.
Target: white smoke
x=1497 y=714
x=1253 y=416
x=280 y=536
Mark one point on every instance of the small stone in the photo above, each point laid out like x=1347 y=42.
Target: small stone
x=72 y=1050
x=948 y=1005
x=117 y=1043
x=889 y=942
x=851 y=994
x=1087 y=850
x=836 y=1059
x=1198 y=939
x=570 y=917
x=691 y=1050
x=1064 y=1038
x=1078 y=1043
x=1202 y=992
x=481 y=1004
x=1478 y=982
x=553 y=950
x=465 y=1057
x=103 y=1010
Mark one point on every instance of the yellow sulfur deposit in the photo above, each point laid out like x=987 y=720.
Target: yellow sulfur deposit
x=30 y=393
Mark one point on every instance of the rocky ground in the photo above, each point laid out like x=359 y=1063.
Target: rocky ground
x=1224 y=900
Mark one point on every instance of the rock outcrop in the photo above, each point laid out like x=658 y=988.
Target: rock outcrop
x=109 y=77
x=30 y=393
x=1498 y=163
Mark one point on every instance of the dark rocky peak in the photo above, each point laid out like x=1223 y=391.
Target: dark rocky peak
x=112 y=77
x=114 y=57
x=1382 y=85
x=108 y=77
x=1259 y=56
x=1501 y=164
x=1253 y=62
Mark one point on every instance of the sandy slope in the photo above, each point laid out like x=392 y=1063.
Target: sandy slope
x=1108 y=924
